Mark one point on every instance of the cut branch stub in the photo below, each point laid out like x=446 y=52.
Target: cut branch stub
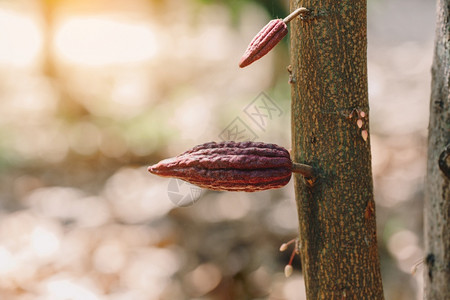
x=230 y=166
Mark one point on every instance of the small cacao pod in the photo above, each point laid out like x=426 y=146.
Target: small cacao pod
x=230 y=166
x=264 y=41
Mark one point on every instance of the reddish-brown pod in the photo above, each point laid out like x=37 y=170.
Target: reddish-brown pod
x=230 y=166
x=268 y=37
x=264 y=41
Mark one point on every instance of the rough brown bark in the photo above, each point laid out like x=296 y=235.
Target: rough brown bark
x=437 y=203
x=337 y=217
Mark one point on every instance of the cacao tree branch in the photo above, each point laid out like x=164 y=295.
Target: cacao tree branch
x=337 y=223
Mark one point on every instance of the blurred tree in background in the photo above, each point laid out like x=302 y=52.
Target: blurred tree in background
x=437 y=204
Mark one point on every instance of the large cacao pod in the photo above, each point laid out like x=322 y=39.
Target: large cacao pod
x=230 y=166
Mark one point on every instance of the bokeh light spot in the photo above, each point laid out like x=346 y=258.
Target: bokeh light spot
x=103 y=40
x=20 y=38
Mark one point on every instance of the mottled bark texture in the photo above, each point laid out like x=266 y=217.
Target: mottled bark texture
x=437 y=203
x=338 y=238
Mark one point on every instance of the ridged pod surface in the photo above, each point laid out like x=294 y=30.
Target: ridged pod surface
x=230 y=166
x=264 y=41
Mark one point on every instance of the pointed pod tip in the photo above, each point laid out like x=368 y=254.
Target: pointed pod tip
x=244 y=62
x=154 y=169
x=162 y=168
x=151 y=169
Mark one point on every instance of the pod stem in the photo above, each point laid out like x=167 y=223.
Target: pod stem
x=295 y=13
x=305 y=170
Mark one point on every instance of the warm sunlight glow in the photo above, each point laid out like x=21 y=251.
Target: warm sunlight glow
x=99 y=41
x=44 y=242
x=20 y=39
x=7 y=261
x=67 y=289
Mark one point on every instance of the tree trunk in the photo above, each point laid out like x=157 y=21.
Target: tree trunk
x=437 y=203
x=338 y=243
